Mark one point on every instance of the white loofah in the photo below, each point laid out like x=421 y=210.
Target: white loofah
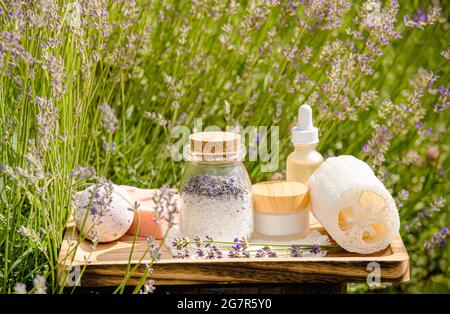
x=353 y=205
x=109 y=216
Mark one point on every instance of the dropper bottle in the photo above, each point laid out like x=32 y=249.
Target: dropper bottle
x=304 y=160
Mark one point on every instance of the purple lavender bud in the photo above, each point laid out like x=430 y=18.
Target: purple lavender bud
x=438 y=239
x=295 y=250
x=315 y=249
x=366 y=148
x=109 y=120
x=183 y=254
x=109 y=147
x=216 y=186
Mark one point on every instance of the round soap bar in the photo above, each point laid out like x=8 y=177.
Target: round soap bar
x=103 y=213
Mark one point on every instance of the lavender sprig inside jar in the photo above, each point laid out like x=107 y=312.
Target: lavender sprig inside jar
x=216 y=191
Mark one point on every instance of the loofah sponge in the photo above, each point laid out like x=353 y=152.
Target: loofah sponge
x=353 y=205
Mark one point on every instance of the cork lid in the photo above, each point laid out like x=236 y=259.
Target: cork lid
x=214 y=146
x=280 y=197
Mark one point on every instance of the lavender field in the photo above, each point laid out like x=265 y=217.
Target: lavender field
x=90 y=91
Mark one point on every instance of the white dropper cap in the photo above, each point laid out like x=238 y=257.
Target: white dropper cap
x=305 y=132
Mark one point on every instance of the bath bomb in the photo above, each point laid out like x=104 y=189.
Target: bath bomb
x=103 y=212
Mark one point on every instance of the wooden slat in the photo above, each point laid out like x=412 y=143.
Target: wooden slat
x=106 y=265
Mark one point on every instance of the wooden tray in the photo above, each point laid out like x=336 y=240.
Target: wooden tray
x=106 y=265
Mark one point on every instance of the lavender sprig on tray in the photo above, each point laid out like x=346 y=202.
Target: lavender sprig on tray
x=208 y=248
x=266 y=252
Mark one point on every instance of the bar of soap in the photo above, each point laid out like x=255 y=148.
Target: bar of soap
x=147 y=225
x=146 y=212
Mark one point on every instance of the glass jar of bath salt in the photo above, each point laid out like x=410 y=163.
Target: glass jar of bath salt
x=215 y=188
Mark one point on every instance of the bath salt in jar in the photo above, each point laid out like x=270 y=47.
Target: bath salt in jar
x=215 y=188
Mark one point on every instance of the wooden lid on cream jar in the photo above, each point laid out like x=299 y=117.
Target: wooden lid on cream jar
x=279 y=197
x=281 y=209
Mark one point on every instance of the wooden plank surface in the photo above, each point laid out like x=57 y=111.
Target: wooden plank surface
x=106 y=265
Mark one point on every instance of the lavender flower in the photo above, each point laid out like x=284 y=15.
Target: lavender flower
x=185 y=253
x=155 y=253
x=213 y=251
x=83 y=172
x=438 y=240
x=296 y=251
x=46 y=122
x=55 y=68
x=109 y=120
x=100 y=199
x=402 y=196
x=180 y=243
x=20 y=288
x=423 y=19
x=157 y=117
x=94 y=240
x=7 y=130
x=198 y=241
x=240 y=248
x=378 y=144
x=34 y=237
x=109 y=147
x=31 y=176
x=216 y=186
x=265 y=252
x=200 y=252
x=426 y=213
x=148 y=287
x=444 y=99
x=165 y=206
x=11 y=43
x=315 y=249
x=290 y=52
x=325 y=14
x=39 y=285
x=446 y=53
